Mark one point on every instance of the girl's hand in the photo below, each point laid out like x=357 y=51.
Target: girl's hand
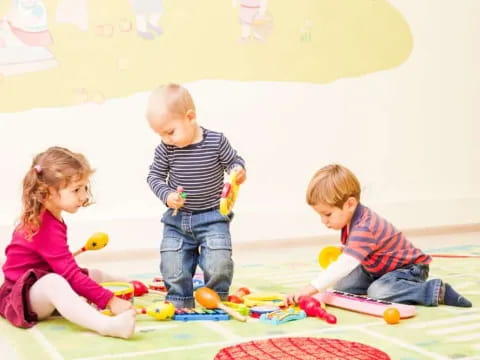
x=175 y=201
x=292 y=299
x=117 y=305
x=241 y=174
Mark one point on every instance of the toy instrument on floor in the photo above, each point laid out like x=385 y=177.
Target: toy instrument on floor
x=210 y=299
x=363 y=304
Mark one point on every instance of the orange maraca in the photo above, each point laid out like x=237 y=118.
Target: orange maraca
x=209 y=298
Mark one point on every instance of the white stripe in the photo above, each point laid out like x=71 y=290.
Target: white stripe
x=290 y=277
x=49 y=348
x=468 y=337
x=394 y=340
x=458 y=310
x=464 y=285
x=222 y=330
x=7 y=350
x=275 y=274
x=454 y=329
x=436 y=323
x=295 y=282
x=139 y=329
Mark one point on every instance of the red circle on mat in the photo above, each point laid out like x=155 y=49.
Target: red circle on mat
x=302 y=348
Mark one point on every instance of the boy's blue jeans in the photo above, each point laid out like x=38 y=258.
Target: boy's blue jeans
x=190 y=239
x=407 y=285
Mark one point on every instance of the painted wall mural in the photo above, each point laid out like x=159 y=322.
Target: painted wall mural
x=65 y=52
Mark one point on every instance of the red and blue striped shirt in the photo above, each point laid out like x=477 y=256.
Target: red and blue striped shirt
x=378 y=245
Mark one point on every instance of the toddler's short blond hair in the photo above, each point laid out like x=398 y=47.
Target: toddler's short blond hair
x=172 y=97
x=333 y=185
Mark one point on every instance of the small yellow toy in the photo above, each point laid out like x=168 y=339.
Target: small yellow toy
x=158 y=310
x=95 y=242
x=328 y=255
x=263 y=299
x=229 y=194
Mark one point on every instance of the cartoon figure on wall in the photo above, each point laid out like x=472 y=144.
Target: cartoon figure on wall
x=24 y=39
x=147 y=14
x=255 y=21
x=73 y=12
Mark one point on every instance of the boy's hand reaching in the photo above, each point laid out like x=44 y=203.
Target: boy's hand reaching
x=292 y=299
x=241 y=174
x=117 y=305
x=175 y=201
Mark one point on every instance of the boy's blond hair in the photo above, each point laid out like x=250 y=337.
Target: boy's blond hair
x=172 y=97
x=333 y=185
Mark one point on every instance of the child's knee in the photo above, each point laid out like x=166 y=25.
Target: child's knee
x=54 y=279
x=52 y=283
x=220 y=263
x=378 y=290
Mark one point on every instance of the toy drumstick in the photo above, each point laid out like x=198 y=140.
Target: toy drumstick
x=210 y=299
x=95 y=242
x=183 y=195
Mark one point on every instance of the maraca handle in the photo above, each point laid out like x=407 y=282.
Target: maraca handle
x=232 y=312
x=79 y=251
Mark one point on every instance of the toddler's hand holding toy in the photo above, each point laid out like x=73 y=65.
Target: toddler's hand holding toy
x=176 y=199
x=292 y=299
x=241 y=174
x=117 y=305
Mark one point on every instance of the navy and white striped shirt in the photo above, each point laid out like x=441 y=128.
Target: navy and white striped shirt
x=199 y=168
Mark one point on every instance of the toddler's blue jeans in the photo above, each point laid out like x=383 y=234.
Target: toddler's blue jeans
x=191 y=239
x=406 y=285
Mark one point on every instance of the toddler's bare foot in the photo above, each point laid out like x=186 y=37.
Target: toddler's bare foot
x=122 y=325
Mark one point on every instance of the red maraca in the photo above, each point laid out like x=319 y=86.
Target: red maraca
x=209 y=298
x=237 y=296
x=139 y=288
x=312 y=307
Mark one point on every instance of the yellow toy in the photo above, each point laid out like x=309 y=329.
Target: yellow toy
x=263 y=299
x=328 y=255
x=158 y=310
x=96 y=242
x=229 y=194
x=123 y=290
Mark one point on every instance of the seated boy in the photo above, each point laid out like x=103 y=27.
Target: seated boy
x=377 y=259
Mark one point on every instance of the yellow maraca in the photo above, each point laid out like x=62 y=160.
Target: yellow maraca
x=209 y=298
x=328 y=255
x=159 y=310
x=229 y=194
x=95 y=242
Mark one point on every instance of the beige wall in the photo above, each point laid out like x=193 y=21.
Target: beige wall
x=410 y=134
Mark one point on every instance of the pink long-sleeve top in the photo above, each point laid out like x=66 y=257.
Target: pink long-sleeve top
x=48 y=250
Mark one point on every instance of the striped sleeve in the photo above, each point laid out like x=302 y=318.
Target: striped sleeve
x=228 y=155
x=361 y=243
x=157 y=176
